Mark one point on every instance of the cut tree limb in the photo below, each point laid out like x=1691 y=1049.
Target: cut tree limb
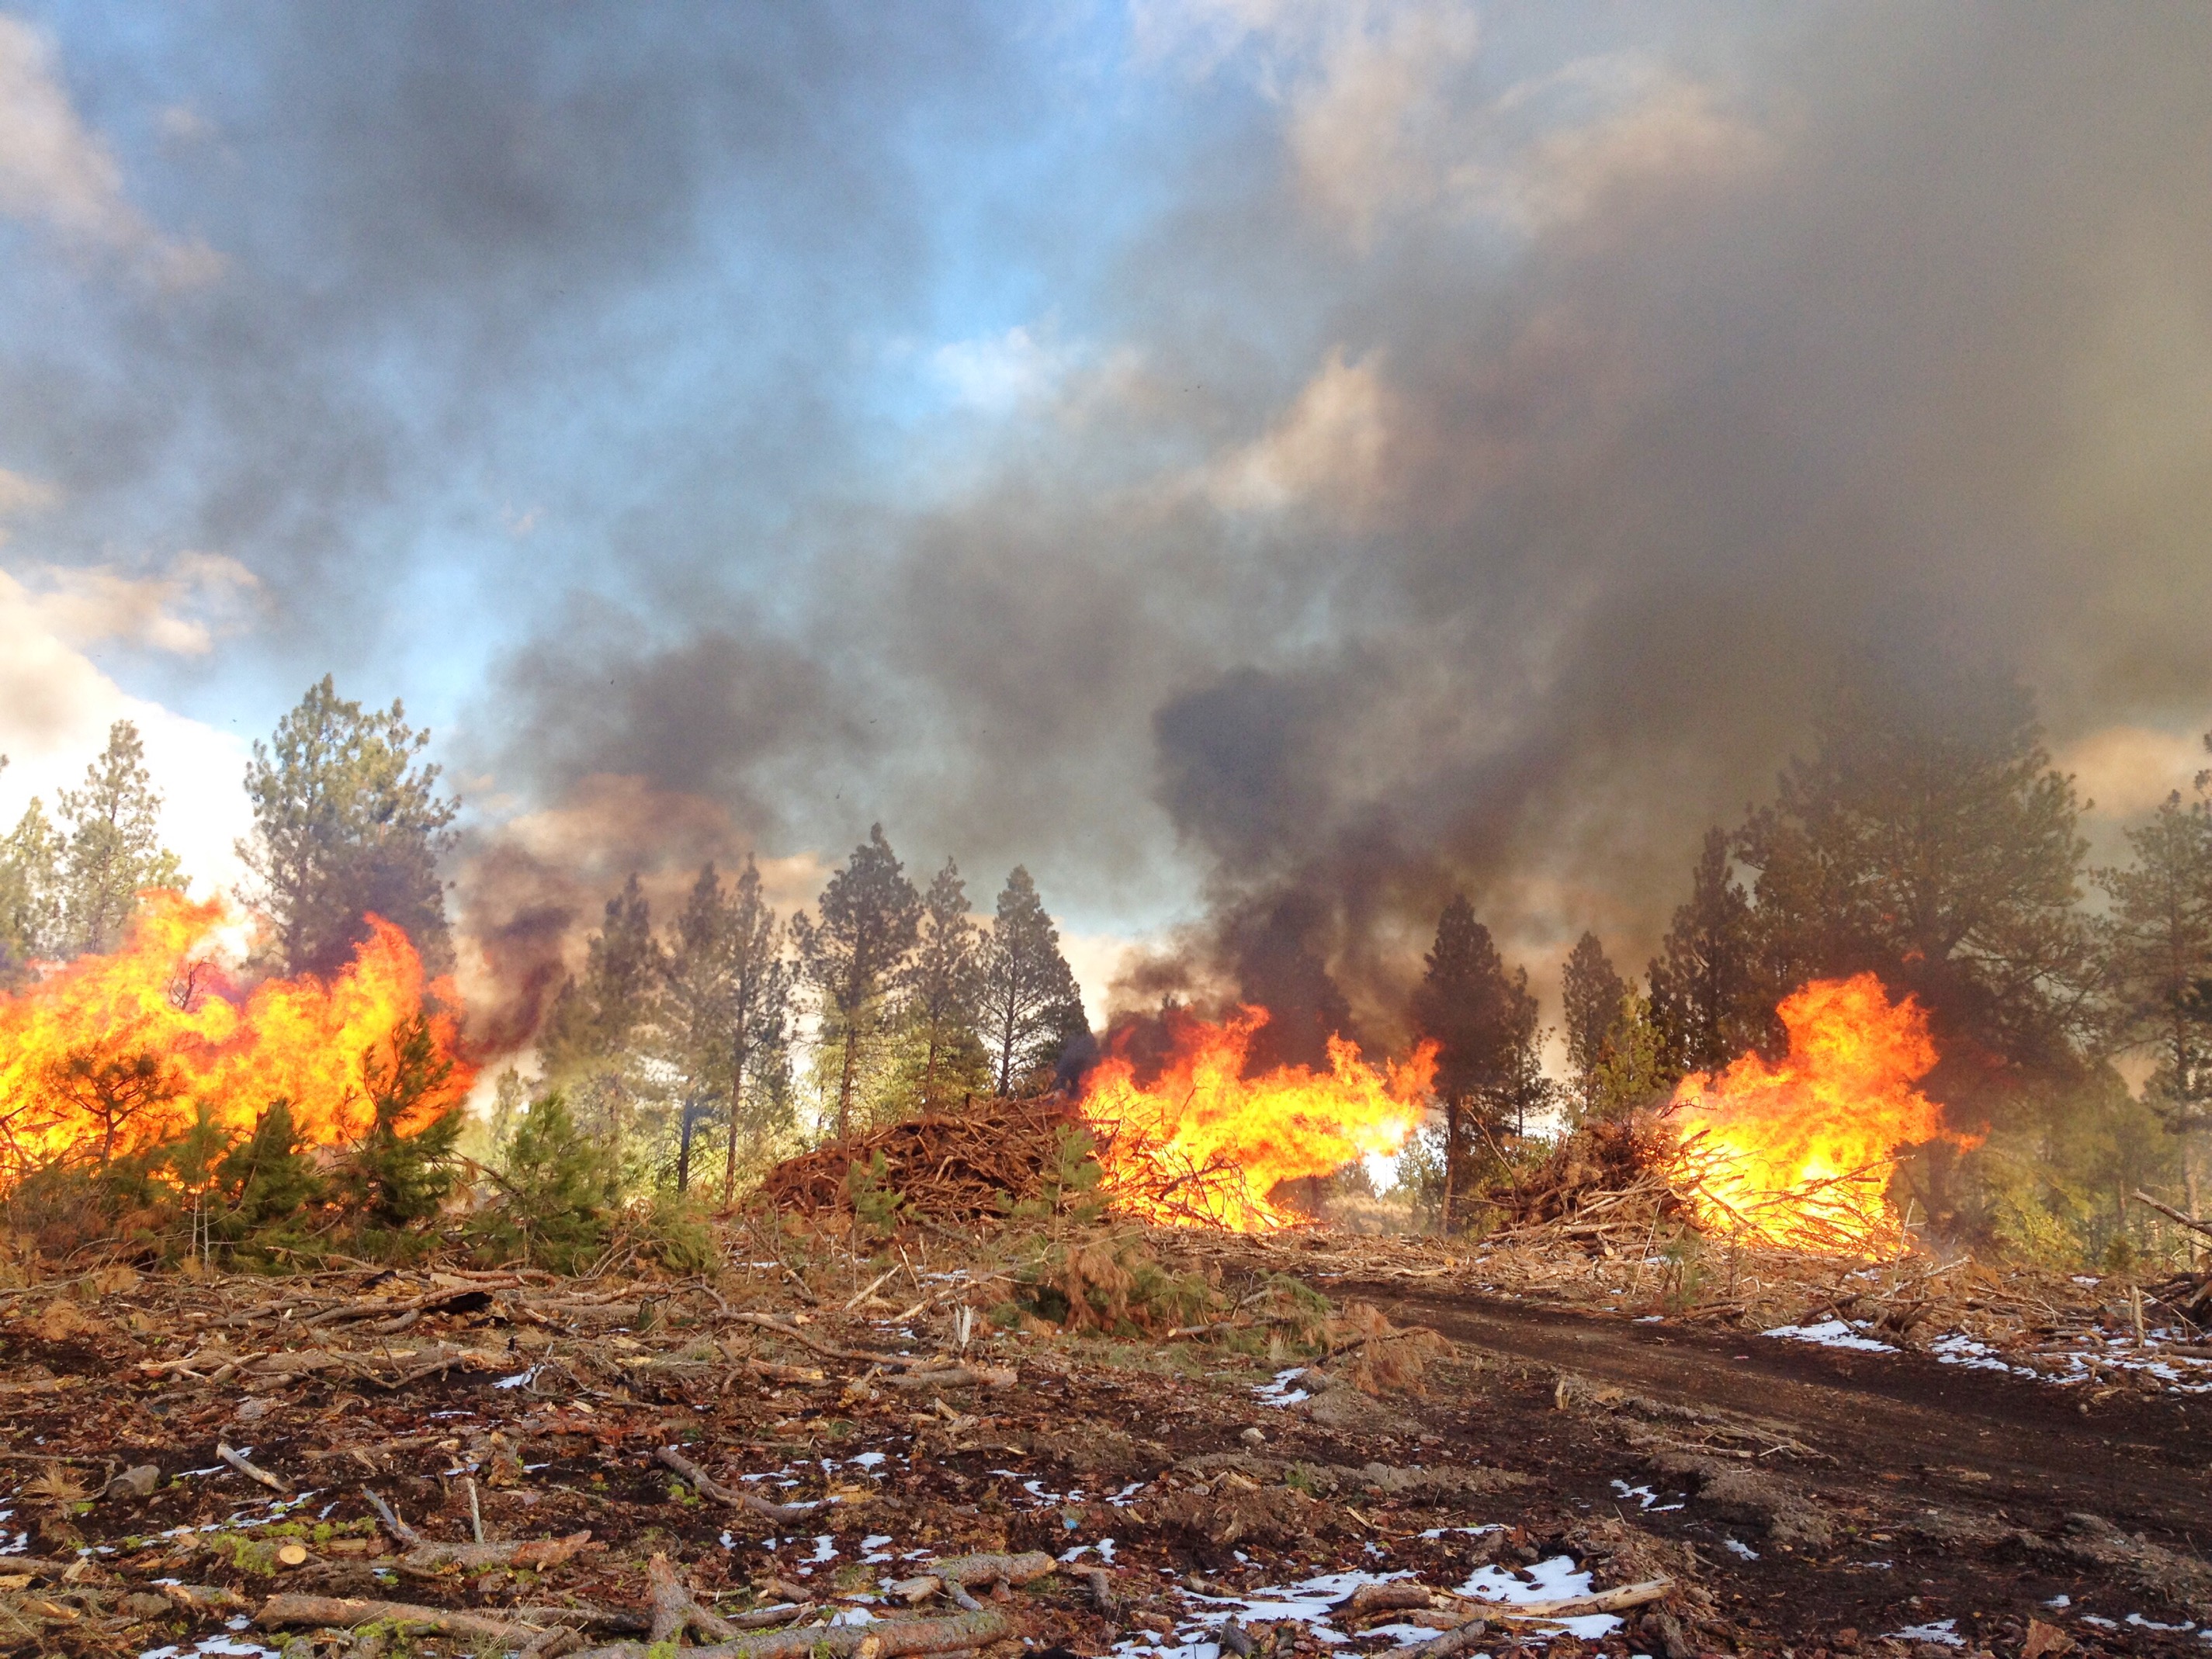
x=426 y=1556
x=1617 y=1600
x=882 y=1639
x=237 y=1460
x=675 y=1610
x=346 y=1612
x=2173 y=1214
x=708 y=1486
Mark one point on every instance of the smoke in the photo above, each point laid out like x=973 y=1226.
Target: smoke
x=1266 y=466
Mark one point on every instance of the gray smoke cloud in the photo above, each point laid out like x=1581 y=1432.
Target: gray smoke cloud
x=1445 y=448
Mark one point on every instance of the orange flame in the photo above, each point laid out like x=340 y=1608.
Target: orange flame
x=79 y=1048
x=1798 y=1152
x=1204 y=1145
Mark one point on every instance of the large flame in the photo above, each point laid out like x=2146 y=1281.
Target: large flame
x=1204 y=1145
x=108 y=1055
x=1799 y=1151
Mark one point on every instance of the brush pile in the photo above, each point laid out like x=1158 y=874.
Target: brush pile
x=948 y=1167
x=1607 y=1178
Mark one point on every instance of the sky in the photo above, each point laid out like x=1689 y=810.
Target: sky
x=1288 y=459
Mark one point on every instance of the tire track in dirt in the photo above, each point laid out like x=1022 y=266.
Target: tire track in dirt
x=1896 y=1424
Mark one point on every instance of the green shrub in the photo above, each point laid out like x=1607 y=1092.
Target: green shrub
x=556 y=1194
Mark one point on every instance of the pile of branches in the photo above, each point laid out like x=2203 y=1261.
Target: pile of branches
x=954 y=1167
x=1607 y=1174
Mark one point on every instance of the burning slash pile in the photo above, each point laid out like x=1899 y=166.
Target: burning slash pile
x=1196 y=1143
x=177 y=1086
x=1794 y=1154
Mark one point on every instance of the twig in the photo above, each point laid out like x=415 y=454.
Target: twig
x=706 y=1486
x=237 y=1460
x=2173 y=1214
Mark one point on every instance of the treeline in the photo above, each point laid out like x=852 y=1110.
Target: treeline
x=1929 y=839
x=348 y=822
x=680 y=1047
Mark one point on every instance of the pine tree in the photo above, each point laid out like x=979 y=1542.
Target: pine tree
x=1592 y=994
x=854 y=950
x=269 y=1184
x=695 y=1023
x=599 y=1034
x=346 y=825
x=1708 y=999
x=1030 y=1002
x=111 y=848
x=1483 y=1021
x=943 y=985
x=1928 y=839
x=402 y=1171
x=2157 y=966
x=30 y=892
x=760 y=979
x=557 y=1191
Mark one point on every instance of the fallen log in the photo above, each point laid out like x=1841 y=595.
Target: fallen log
x=426 y=1557
x=887 y=1637
x=675 y=1610
x=1617 y=1600
x=347 y=1613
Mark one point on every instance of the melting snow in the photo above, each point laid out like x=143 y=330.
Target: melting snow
x=1831 y=1333
x=1943 y=1631
x=1279 y=1392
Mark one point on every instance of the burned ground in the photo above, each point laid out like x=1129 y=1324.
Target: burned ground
x=1796 y=1498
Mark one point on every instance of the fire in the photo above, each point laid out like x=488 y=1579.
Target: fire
x=109 y=1054
x=1798 y=1152
x=1203 y=1143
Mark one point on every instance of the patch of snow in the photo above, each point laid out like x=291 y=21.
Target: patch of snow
x=1831 y=1333
x=1738 y=1547
x=825 y=1548
x=520 y=1380
x=1943 y=1631
x=1280 y=1391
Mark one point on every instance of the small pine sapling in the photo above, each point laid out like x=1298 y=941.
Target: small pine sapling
x=270 y=1185
x=401 y=1175
x=876 y=1202
x=557 y=1191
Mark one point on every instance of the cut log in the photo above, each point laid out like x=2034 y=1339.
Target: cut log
x=886 y=1637
x=346 y=1613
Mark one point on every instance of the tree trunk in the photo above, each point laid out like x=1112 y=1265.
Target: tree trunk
x=737 y=1093
x=845 y=1081
x=929 y=1070
x=1451 y=1163
x=684 y=1150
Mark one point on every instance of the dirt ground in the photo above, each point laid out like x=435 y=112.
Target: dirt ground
x=1797 y=1500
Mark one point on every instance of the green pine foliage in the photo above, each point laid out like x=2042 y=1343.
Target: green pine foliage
x=401 y=1173
x=557 y=1193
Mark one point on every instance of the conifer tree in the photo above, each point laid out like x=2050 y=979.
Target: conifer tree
x=111 y=847
x=1030 y=1003
x=2158 y=956
x=270 y=1185
x=1592 y=994
x=557 y=1191
x=348 y=824
x=761 y=978
x=853 y=951
x=1708 y=998
x=30 y=892
x=597 y=1034
x=1484 y=1023
x=942 y=986
x=402 y=1171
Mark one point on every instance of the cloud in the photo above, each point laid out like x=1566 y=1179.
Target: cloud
x=56 y=171
x=181 y=610
x=56 y=707
x=20 y=494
